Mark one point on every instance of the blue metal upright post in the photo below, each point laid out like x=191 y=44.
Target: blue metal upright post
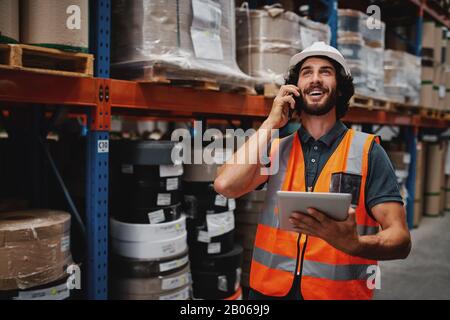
x=333 y=20
x=97 y=156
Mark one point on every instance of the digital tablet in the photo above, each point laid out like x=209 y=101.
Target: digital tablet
x=334 y=205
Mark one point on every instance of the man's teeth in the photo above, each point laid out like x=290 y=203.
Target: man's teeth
x=316 y=93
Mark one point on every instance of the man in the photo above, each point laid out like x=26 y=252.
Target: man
x=326 y=259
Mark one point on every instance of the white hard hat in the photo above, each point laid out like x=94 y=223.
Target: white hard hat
x=320 y=49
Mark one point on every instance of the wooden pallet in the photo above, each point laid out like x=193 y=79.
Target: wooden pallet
x=360 y=101
x=268 y=90
x=432 y=113
x=183 y=78
x=405 y=108
x=46 y=60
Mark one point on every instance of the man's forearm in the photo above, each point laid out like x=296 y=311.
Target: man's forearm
x=239 y=172
x=389 y=244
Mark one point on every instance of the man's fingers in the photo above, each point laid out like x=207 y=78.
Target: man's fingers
x=287 y=89
x=304 y=218
x=290 y=100
x=319 y=216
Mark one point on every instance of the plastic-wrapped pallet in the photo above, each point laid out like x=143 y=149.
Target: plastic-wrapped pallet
x=353 y=23
x=9 y=21
x=61 y=24
x=189 y=40
x=402 y=73
x=268 y=38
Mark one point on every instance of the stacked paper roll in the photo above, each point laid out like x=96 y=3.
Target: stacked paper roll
x=61 y=24
x=434 y=179
x=9 y=21
x=420 y=181
x=34 y=248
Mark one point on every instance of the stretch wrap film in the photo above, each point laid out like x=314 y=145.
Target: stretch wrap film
x=190 y=39
x=34 y=248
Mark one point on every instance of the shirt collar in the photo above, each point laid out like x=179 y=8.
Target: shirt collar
x=336 y=131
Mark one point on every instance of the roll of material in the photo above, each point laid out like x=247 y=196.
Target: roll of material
x=57 y=290
x=152 y=215
x=213 y=245
x=144 y=153
x=150 y=250
x=139 y=268
x=420 y=181
x=200 y=172
x=428 y=36
x=247 y=218
x=62 y=24
x=250 y=207
x=219 y=263
x=200 y=199
x=438 y=40
x=254 y=196
x=184 y=293
x=156 y=285
x=447 y=193
x=9 y=21
x=426 y=90
x=131 y=232
x=434 y=177
x=136 y=198
x=35 y=248
x=216 y=285
x=236 y=296
x=158 y=185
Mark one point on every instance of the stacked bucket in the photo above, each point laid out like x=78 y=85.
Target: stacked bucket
x=215 y=258
x=148 y=232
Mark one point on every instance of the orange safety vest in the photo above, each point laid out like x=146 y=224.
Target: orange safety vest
x=326 y=273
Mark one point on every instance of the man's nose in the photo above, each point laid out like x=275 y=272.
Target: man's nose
x=316 y=78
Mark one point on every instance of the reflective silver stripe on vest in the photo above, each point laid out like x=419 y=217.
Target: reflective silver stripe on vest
x=367 y=230
x=336 y=272
x=275 y=183
x=355 y=154
x=274 y=261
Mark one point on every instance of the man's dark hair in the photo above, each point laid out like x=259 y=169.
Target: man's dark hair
x=344 y=85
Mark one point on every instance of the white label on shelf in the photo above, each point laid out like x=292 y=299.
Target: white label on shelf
x=103 y=146
x=170 y=170
x=156 y=216
x=172 y=184
x=59 y=292
x=220 y=201
x=166 y=266
x=205 y=29
x=203 y=236
x=231 y=204
x=181 y=295
x=407 y=158
x=219 y=223
x=127 y=168
x=163 y=199
x=214 y=247
x=429 y=138
x=65 y=243
x=175 y=282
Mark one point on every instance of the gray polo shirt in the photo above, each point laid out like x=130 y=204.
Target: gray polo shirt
x=381 y=184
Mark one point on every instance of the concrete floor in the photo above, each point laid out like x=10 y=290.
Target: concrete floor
x=425 y=274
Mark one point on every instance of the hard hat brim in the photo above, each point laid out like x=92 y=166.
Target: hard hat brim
x=304 y=55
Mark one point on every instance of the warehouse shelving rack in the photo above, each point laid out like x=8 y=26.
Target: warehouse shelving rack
x=101 y=97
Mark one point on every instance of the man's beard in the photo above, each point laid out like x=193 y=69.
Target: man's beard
x=316 y=109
